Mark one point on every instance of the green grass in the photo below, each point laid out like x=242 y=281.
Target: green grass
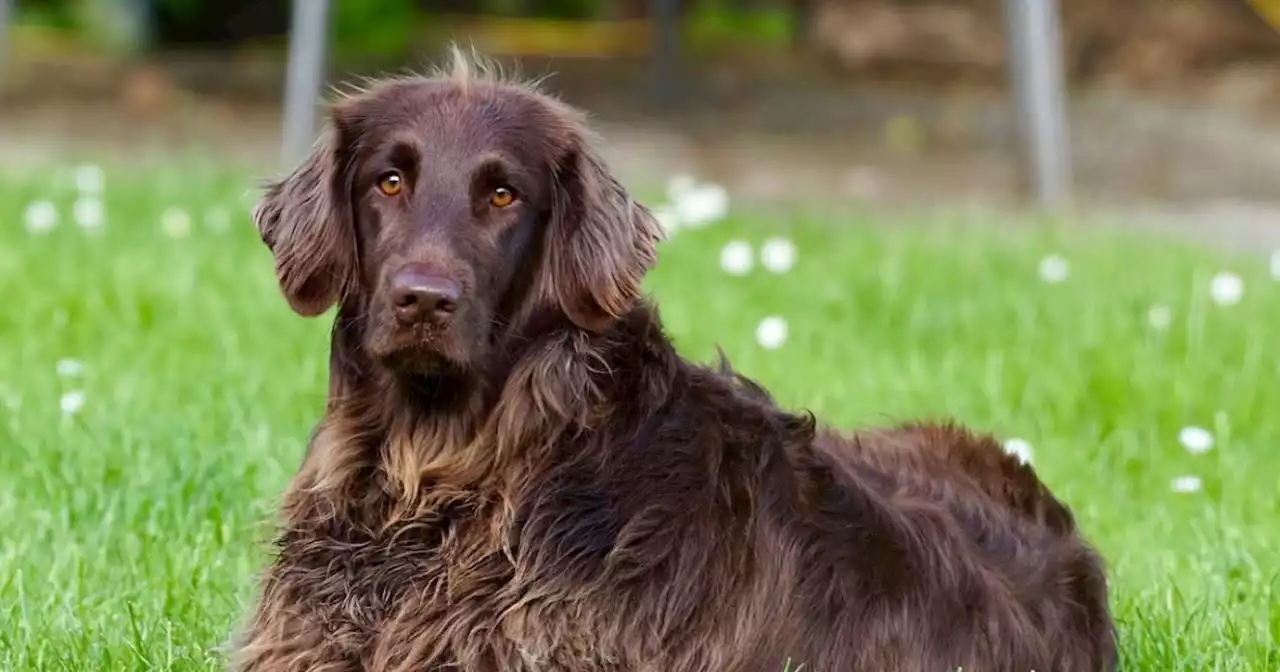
x=130 y=532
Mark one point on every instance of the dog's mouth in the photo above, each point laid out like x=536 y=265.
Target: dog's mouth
x=418 y=352
x=419 y=362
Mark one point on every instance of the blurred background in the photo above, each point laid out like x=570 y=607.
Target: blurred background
x=1170 y=104
x=156 y=393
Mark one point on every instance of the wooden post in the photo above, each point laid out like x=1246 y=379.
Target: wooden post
x=1034 y=55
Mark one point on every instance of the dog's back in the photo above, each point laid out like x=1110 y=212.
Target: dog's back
x=935 y=485
x=955 y=455
x=1042 y=587
x=943 y=451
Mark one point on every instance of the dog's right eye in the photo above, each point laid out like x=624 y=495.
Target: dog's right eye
x=390 y=183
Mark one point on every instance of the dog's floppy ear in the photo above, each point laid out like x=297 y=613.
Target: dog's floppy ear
x=305 y=220
x=601 y=242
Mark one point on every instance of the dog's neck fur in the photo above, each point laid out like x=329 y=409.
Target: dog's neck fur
x=420 y=440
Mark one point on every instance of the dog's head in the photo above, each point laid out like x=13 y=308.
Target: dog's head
x=444 y=210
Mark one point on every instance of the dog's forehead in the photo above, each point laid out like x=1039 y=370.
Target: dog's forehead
x=466 y=119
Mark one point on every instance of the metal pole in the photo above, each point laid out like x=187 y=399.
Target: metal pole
x=6 y=16
x=141 y=24
x=304 y=82
x=801 y=18
x=123 y=27
x=1034 y=54
x=665 y=51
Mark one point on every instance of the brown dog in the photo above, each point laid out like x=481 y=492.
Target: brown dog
x=517 y=471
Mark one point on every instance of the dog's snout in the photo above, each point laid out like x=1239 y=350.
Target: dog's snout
x=417 y=295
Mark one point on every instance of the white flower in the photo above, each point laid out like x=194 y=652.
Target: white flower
x=175 y=222
x=667 y=219
x=702 y=205
x=89 y=179
x=735 y=257
x=1019 y=448
x=771 y=332
x=88 y=212
x=217 y=219
x=41 y=217
x=69 y=367
x=1196 y=440
x=1275 y=265
x=778 y=255
x=679 y=186
x=9 y=398
x=1054 y=269
x=1186 y=484
x=1160 y=316
x=1226 y=289
x=72 y=402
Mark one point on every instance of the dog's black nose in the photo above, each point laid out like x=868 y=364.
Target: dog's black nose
x=420 y=296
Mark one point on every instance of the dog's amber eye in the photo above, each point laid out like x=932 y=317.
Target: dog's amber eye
x=502 y=197
x=390 y=183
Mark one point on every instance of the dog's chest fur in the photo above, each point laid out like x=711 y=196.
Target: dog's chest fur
x=448 y=586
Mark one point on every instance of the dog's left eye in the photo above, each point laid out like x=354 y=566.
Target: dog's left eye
x=502 y=197
x=390 y=183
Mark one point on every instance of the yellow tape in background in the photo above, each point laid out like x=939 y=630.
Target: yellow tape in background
x=545 y=37
x=1269 y=10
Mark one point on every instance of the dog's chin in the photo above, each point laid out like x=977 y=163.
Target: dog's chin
x=419 y=358
x=420 y=363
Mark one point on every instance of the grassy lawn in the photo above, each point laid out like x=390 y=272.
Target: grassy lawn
x=137 y=479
